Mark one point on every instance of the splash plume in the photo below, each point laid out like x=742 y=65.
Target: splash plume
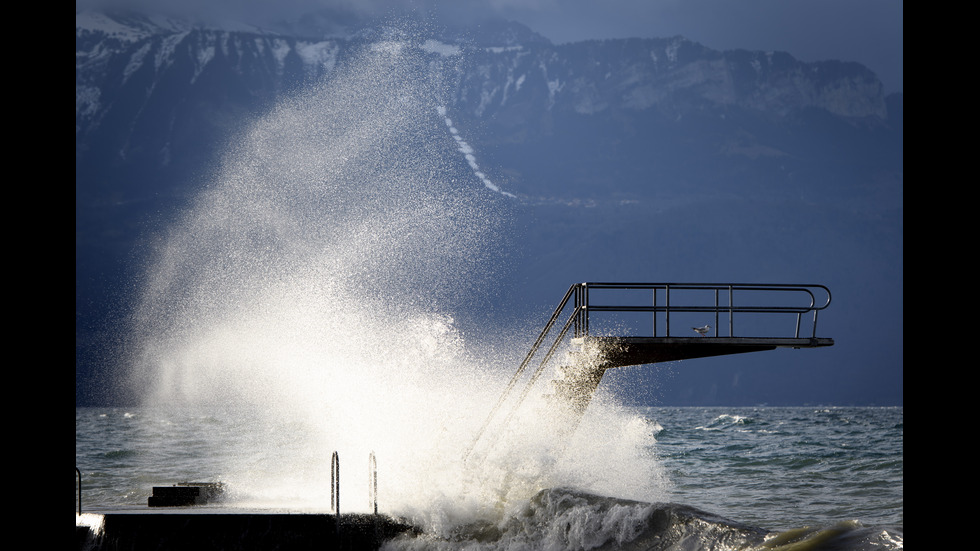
x=313 y=286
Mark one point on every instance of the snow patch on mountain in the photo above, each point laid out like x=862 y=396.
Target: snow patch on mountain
x=468 y=154
x=436 y=47
x=318 y=54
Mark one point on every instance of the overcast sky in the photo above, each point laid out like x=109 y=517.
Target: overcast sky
x=867 y=31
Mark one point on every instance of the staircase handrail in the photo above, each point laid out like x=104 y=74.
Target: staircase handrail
x=572 y=290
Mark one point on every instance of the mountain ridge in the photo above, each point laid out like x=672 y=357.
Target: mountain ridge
x=494 y=87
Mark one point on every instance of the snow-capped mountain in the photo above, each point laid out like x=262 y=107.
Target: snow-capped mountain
x=160 y=94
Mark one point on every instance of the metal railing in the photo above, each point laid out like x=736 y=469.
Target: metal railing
x=729 y=300
x=572 y=291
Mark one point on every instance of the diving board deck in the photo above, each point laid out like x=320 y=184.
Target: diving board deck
x=599 y=307
x=627 y=351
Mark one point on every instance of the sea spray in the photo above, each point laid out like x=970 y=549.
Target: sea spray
x=313 y=287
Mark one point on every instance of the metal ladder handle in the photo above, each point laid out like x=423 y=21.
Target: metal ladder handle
x=373 y=482
x=78 y=474
x=335 y=485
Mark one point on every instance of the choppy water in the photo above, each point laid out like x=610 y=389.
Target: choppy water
x=733 y=478
x=781 y=468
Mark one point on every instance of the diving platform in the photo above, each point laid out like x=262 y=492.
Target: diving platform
x=628 y=351
x=601 y=326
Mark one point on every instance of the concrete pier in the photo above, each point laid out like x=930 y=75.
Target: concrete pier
x=206 y=529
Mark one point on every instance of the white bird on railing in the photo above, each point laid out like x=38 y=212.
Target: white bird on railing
x=702 y=330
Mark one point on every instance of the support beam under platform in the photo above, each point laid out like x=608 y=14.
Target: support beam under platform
x=625 y=351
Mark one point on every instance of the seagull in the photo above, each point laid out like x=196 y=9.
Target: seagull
x=702 y=330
